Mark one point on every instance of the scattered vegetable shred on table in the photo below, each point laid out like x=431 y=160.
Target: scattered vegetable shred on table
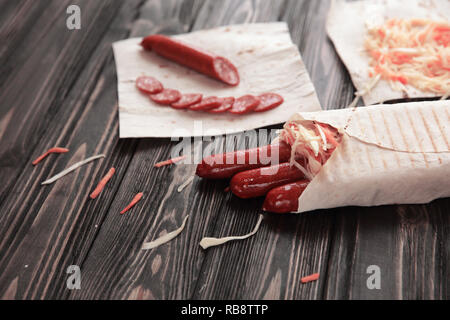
x=101 y=185
x=205 y=243
x=72 y=168
x=165 y=238
x=49 y=151
x=310 y=278
x=133 y=202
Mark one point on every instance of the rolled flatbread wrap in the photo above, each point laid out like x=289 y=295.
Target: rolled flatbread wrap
x=388 y=155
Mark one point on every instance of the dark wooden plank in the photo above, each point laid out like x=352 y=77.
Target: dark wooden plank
x=9 y=11
x=409 y=243
x=45 y=229
x=35 y=80
x=17 y=19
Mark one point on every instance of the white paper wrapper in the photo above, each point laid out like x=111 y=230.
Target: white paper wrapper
x=388 y=155
x=346 y=27
x=267 y=61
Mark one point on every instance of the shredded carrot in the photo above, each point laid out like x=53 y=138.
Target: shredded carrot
x=312 y=277
x=49 y=151
x=101 y=185
x=411 y=52
x=170 y=161
x=133 y=202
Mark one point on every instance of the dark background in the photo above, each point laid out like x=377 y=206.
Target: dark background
x=58 y=88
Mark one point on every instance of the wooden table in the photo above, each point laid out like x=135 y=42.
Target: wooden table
x=58 y=88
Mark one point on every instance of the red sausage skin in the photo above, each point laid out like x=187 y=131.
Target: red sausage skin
x=284 y=199
x=199 y=60
x=219 y=166
x=258 y=182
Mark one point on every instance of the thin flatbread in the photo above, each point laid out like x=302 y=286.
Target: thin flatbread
x=346 y=27
x=387 y=156
x=267 y=61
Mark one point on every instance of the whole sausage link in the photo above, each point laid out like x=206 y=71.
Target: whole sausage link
x=258 y=182
x=284 y=199
x=225 y=165
x=197 y=59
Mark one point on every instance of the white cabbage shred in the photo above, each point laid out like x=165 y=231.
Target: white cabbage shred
x=205 y=243
x=72 y=168
x=413 y=52
x=165 y=238
x=310 y=147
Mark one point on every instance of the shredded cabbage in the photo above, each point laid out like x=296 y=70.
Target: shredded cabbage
x=312 y=143
x=165 y=238
x=413 y=52
x=207 y=242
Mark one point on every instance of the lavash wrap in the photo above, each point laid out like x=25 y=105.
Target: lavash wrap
x=388 y=155
x=346 y=27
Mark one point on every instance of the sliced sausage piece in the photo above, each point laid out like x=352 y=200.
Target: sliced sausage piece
x=149 y=85
x=197 y=59
x=227 y=104
x=167 y=96
x=206 y=104
x=244 y=104
x=257 y=182
x=225 y=165
x=284 y=199
x=187 y=100
x=268 y=101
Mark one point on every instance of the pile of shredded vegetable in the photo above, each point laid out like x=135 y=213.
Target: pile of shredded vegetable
x=412 y=52
x=312 y=144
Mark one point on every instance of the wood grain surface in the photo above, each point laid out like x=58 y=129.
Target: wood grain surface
x=58 y=88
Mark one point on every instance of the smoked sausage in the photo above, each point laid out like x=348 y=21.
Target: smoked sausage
x=224 y=166
x=258 y=182
x=284 y=199
x=197 y=59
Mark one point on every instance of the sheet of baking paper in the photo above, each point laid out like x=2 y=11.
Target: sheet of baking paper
x=387 y=156
x=346 y=27
x=267 y=61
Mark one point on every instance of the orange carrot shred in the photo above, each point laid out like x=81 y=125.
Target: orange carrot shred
x=49 y=151
x=312 y=277
x=170 y=161
x=133 y=202
x=101 y=185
